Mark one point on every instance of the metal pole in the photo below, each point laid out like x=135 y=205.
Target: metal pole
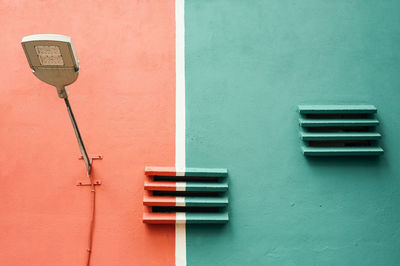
x=78 y=137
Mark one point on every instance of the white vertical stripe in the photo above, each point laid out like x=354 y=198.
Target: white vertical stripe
x=180 y=201
x=180 y=86
x=180 y=186
x=180 y=227
x=179 y=172
x=181 y=218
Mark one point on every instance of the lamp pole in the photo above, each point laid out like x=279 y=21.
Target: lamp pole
x=78 y=137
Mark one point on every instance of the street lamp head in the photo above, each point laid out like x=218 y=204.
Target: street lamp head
x=53 y=60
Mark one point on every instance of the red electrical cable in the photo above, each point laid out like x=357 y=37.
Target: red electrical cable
x=92 y=220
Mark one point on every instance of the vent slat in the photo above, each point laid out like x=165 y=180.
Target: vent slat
x=206 y=201
x=185 y=201
x=186 y=186
x=308 y=122
x=337 y=109
x=202 y=186
x=201 y=218
x=187 y=172
x=162 y=201
x=185 y=218
x=163 y=186
x=342 y=151
x=202 y=172
x=340 y=136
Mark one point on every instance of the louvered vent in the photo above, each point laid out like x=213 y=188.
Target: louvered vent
x=196 y=195
x=339 y=130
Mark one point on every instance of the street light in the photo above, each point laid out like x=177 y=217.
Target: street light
x=53 y=60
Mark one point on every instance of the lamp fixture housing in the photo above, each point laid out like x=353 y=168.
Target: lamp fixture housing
x=53 y=60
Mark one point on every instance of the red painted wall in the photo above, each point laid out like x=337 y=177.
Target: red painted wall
x=124 y=102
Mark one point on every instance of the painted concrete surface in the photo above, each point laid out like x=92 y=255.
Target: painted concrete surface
x=248 y=67
x=124 y=102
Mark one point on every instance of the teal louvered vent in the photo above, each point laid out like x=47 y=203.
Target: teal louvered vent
x=339 y=130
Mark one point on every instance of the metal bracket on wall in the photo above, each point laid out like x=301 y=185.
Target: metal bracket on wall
x=92 y=158
x=96 y=182
x=85 y=183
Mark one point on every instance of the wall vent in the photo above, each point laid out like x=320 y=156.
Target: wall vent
x=339 y=130
x=196 y=195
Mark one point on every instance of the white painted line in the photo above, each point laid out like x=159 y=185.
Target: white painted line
x=180 y=186
x=180 y=172
x=180 y=163
x=180 y=218
x=180 y=86
x=180 y=201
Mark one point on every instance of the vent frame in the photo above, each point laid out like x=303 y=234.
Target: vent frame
x=339 y=130
x=192 y=195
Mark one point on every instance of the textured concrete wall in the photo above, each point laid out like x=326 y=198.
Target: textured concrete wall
x=248 y=67
x=124 y=102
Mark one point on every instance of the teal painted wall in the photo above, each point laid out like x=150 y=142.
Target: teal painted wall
x=248 y=65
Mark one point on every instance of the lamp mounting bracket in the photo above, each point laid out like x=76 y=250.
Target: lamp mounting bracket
x=93 y=157
x=86 y=183
x=95 y=182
